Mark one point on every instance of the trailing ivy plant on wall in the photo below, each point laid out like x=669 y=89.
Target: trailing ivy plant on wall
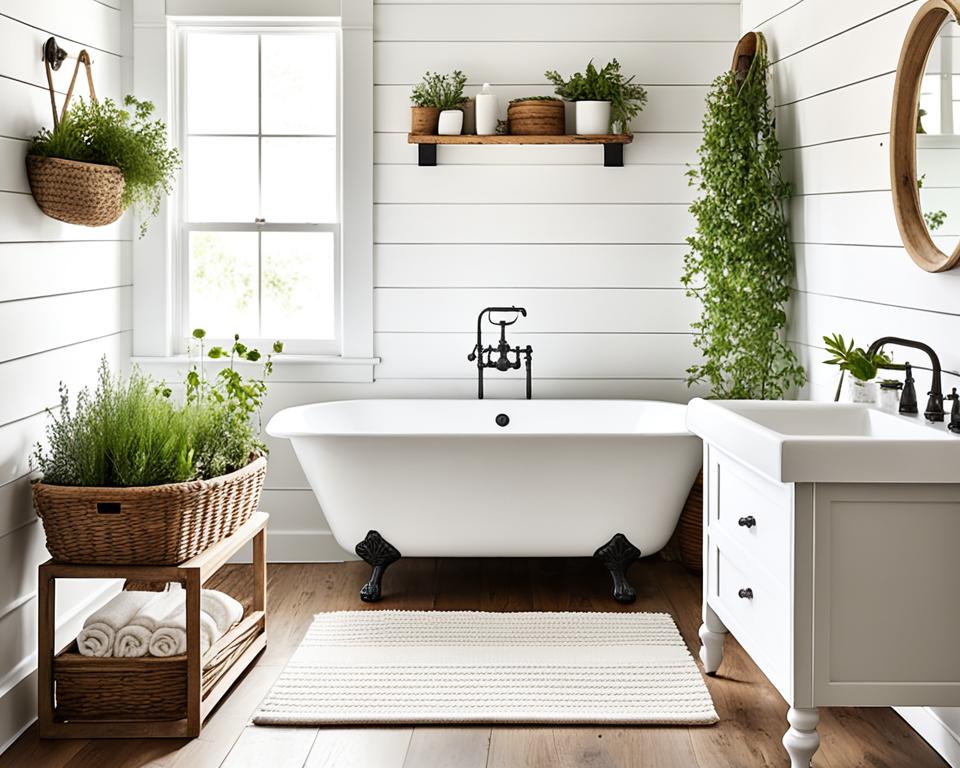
x=741 y=261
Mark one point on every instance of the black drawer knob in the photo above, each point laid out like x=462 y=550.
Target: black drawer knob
x=746 y=593
x=747 y=522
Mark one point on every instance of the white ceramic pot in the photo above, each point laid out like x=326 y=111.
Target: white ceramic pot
x=593 y=117
x=451 y=122
x=861 y=391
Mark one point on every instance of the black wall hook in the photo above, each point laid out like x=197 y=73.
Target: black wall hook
x=53 y=54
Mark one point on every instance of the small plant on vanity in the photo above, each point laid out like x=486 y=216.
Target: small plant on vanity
x=435 y=100
x=862 y=367
x=606 y=101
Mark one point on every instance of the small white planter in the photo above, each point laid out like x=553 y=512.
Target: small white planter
x=593 y=117
x=861 y=391
x=451 y=122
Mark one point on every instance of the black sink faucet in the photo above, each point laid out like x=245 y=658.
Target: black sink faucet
x=503 y=349
x=934 y=409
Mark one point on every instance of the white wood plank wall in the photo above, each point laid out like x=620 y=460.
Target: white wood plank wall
x=833 y=82
x=65 y=296
x=594 y=253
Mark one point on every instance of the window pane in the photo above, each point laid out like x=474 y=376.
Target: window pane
x=298 y=285
x=223 y=283
x=222 y=83
x=299 y=76
x=299 y=180
x=222 y=179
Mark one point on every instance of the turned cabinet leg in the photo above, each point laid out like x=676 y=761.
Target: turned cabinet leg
x=802 y=740
x=712 y=634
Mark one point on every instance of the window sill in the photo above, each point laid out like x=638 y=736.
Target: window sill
x=286 y=368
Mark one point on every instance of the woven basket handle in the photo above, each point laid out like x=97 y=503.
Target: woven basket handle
x=84 y=58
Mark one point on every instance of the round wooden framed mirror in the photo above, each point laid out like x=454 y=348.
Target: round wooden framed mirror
x=925 y=137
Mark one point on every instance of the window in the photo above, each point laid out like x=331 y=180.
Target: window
x=259 y=211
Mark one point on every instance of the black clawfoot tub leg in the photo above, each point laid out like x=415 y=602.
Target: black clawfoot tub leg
x=617 y=554
x=380 y=553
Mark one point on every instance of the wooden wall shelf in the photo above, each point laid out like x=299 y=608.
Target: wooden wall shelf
x=612 y=144
x=203 y=690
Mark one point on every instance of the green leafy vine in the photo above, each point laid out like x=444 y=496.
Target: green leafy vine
x=740 y=263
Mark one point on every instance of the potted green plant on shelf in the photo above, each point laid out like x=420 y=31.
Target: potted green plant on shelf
x=132 y=476
x=740 y=264
x=536 y=116
x=862 y=367
x=606 y=101
x=100 y=159
x=437 y=104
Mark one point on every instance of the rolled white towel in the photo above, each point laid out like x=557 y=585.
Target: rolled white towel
x=223 y=609
x=170 y=637
x=133 y=640
x=99 y=631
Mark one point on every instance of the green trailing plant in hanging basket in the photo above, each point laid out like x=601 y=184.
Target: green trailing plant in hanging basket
x=740 y=262
x=104 y=133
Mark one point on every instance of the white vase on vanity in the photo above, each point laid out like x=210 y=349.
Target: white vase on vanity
x=830 y=536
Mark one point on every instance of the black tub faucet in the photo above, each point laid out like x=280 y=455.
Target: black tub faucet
x=503 y=350
x=934 y=409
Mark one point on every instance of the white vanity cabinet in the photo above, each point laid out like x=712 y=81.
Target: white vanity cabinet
x=844 y=594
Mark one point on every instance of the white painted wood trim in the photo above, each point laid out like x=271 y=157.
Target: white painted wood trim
x=156 y=287
x=153 y=284
x=925 y=721
x=356 y=179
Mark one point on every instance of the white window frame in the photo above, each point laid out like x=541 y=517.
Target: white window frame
x=180 y=246
x=157 y=335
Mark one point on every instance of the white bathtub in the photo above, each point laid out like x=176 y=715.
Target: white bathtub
x=441 y=478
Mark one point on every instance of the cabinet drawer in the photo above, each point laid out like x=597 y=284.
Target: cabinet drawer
x=760 y=619
x=753 y=512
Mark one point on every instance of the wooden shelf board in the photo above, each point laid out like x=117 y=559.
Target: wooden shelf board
x=616 y=138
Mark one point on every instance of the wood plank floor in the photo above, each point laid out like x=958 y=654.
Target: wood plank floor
x=752 y=714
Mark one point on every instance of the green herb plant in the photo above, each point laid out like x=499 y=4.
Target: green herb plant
x=740 y=264
x=626 y=98
x=853 y=359
x=131 y=432
x=104 y=133
x=440 y=91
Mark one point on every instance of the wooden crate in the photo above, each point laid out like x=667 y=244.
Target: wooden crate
x=84 y=697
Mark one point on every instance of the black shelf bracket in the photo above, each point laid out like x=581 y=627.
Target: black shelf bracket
x=426 y=154
x=613 y=155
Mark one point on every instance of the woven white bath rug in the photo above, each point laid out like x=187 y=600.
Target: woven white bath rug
x=412 y=667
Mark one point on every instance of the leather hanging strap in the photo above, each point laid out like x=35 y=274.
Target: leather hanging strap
x=82 y=58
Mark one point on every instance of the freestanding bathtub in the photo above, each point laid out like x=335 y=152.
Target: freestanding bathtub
x=496 y=478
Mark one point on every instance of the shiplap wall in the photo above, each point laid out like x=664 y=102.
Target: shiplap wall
x=64 y=303
x=595 y=254
x=833 y=76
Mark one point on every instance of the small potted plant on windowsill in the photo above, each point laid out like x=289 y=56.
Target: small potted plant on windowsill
x=438 y=104
x=862 y=367
x=131 y=477
x=605 y=100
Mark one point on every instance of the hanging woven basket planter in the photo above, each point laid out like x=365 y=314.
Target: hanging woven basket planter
x=89 y=194
x=75 y=192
